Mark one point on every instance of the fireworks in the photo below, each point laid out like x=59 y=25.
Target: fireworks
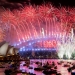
x=36 y=22
x=1 y=35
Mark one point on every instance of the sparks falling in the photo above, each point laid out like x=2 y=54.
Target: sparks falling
x=36 y=22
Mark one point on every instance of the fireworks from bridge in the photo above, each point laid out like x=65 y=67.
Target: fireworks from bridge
x=43 y=25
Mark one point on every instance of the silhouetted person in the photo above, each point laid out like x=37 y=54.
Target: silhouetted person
x=47 y=63
x=8 y=72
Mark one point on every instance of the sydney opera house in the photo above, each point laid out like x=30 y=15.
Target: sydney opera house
x=7 y=52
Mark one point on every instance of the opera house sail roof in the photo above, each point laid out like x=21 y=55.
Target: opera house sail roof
x=6 y=49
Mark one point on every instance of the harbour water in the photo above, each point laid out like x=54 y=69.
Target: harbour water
x=60 y=68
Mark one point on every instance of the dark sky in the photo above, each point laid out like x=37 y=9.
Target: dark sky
x=19 y=3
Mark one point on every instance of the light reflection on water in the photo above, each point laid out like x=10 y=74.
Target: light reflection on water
x=60 y=68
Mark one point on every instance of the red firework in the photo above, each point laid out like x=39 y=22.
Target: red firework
x=33 y=22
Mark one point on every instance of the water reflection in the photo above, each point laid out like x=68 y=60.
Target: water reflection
x=60 y=68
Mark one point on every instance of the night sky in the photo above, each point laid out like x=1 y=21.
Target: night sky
x=15 y=4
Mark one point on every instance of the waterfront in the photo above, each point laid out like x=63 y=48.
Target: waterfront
x=60 y=68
